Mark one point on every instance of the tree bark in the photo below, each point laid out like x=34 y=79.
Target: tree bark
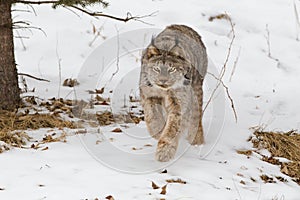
x=9 y=88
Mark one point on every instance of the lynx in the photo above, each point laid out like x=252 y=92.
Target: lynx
x=172 y=71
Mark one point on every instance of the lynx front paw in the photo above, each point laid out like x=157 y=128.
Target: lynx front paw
x=165 y=151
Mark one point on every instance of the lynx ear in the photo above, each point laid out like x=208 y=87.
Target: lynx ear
x=178 y=52
x=152 y=51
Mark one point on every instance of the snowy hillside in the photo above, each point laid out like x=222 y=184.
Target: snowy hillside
x=262 y=75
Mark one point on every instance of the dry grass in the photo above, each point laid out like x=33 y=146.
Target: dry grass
x=286 y=145
x=12 y=124
x=13 y=138
x=10 y=121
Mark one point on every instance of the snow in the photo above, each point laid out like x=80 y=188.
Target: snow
x=265 y=92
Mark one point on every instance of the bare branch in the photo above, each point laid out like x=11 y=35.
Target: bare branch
x=19 y=10
x=28 y=28
x=223 y=70
x=36 y=2
x=33 y=77
x=228 y=94
x=126 y=19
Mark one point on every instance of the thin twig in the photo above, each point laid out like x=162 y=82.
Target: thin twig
x=59 y=68
x=118 y=58
x=20 y=10
x=118 y=53
x=237 y=190
x=21 y=39
x=21 y=22
x=223 y=70
x=267 y=36
x=32 y=8
x=297 y=21
x=30 y=27
x=33 y=77
x=72 y=11
x=97 y=33
x=228 y=94
x=268 y=40
x=235 y=64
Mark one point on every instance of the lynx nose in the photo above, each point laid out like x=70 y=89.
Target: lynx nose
x=163 y=82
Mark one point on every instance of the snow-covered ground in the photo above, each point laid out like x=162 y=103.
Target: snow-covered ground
x=265 y=90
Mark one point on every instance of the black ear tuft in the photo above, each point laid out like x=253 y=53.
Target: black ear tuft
x=176 y=50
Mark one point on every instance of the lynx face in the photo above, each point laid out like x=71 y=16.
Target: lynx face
x=167 y=71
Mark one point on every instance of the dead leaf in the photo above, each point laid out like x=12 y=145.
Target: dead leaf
x=99 y=91
x=98 y=141
x=117 y=130
x=176 y=181
x=252 y=179
x=154 y=186
x=242 y=182
x=94 y=29
x=69 y=82
x=164 y=190
x=45 y=148
x=35 y=146
x=109 y=197
x=267 y=179
x=244 y=152
x=135 y=149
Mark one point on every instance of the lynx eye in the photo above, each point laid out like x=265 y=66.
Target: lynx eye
x=171 y=69
x=156 y=69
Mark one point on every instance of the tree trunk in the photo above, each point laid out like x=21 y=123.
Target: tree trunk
x=9 y=89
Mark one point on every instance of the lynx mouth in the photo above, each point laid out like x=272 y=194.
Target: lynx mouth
x=164 y=86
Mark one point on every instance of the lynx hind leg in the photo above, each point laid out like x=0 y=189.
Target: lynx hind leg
x=154 y=117
x=195 y=131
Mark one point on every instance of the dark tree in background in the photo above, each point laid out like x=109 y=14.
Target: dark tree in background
x=9 y=88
